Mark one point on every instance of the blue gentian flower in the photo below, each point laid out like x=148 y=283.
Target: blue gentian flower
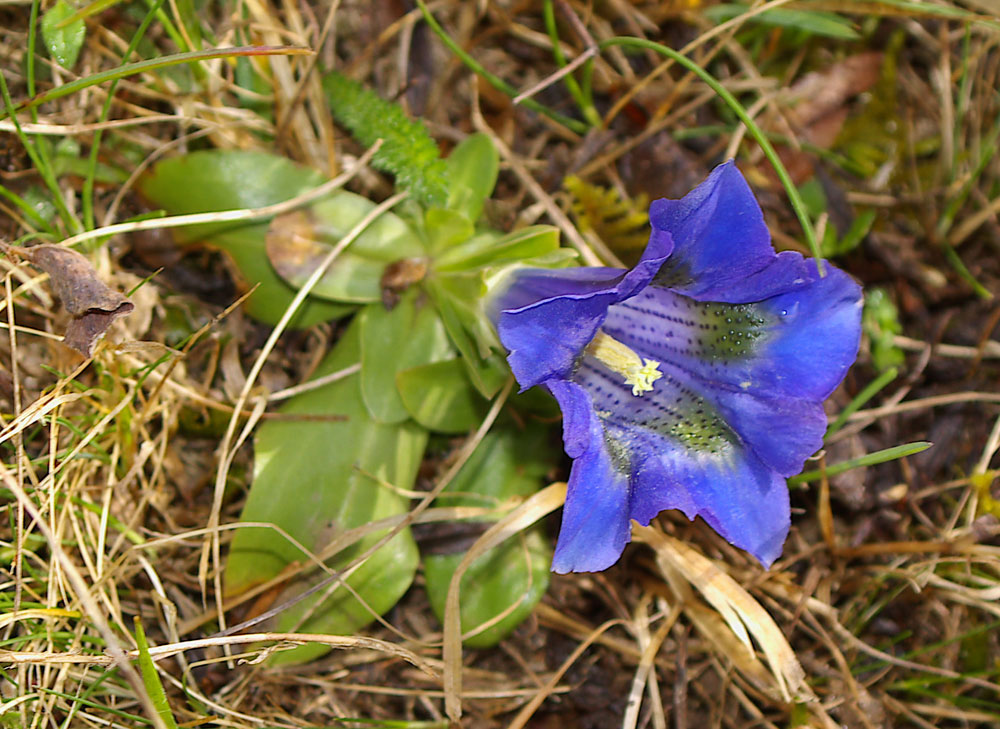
x=694 y=381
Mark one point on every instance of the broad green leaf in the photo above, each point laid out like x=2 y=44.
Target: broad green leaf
x=466 y=296
x=409 y=335
x=518 y=246
x=507 y=464
x=465 y=292
x=458 y=287
x=458 y=301
x=815 y=22
x=514 y=574
x=63 y=41
x=38 y=200
x=445 y=229
x=440 y=397
x=317 y=479
x=472 y=174
x=212 y=181
x=813 y=196
x=299 y=241
x=246 y=248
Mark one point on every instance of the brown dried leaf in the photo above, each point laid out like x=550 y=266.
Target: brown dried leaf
x=821 y=93
x=818 y=106
x=292 y=246
x=744 y=616
x=399 y=276
x=89 y=301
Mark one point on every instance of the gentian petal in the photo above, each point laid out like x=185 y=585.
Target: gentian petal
x=785 y=272
x=798 y=343
x=686 y=452
x=546 y=317
x=819 y=335
x=741 y=499
x=718 y=232
x=782 y=431
x=595 y=525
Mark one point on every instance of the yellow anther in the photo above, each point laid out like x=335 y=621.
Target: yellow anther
x=642 y=379
x=638 y=372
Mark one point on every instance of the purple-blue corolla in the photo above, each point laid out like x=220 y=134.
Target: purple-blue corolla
x=694 y=381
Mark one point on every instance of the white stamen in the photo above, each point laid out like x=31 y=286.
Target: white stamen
x=638 y=372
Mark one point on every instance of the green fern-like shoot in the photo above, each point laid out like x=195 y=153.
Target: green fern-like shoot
x=408 y=152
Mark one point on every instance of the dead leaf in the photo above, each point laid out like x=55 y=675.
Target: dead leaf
x=821 y=93
x=292 y=246
x=399 y=276
x=817 y=107
x=684 y=568
x=88 y=300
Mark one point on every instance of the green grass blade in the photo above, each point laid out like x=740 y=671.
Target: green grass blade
x=919 y=8
x=150 y=678
x=870 y=390
x=869 y=459
x=154 y=64
x=88 y=181
x=582 y=97
x=494 y=80
x=40 y=160
x=820 y=23
x=954 y=206
x=187 y=20
x=755 y=131
x=29 y=61
x=962 y=270
x=63 y=40
x=77 y=700
x=89 y=691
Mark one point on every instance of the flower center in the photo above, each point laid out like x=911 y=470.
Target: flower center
x=638 y=372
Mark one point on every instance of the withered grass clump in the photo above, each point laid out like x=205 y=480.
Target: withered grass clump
x=123 y=476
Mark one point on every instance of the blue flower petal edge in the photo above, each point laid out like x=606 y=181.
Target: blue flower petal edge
x=743 y=345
